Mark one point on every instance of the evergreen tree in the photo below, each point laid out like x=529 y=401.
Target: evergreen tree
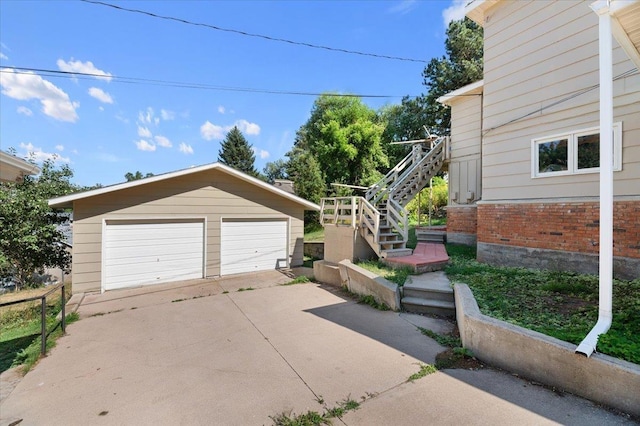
x=236 y=152
x=462 y=65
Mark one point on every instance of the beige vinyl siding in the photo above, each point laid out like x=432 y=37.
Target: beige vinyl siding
x=538 y=53
x=465 y=168
x=210 y=194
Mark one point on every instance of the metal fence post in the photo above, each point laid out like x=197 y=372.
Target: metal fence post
x=64 y=321
x=43 y=311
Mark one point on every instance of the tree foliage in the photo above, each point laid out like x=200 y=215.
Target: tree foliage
x=136 y=176
x=403 y=122
x=303 y=169
x=344 y=137
x=462 y=65
x=275 y=170
x=235 y=151
x=29 y=238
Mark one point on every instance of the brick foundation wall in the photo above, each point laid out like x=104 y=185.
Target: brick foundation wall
x=572 y=227
x=462 y=219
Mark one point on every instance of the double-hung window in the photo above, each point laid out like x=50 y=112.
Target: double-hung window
x=573 y=153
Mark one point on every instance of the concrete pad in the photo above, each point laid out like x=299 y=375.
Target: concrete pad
x=430 y=281
x=482 y=397
x=340 y=348
x=255 y=280
x=125 y=299
x=437 y=325
x=241 y=357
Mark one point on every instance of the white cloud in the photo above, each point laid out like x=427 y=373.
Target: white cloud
x=186 y=149
x=28 y=85
x=260 y=152
x=144 y=132
x=83 y=67
x=148 y=116
x=246 y=127
x=3 y=56
x=163 y=141
x=211 y=131
x=24 y=110
x=108 y=158
x=39 y=155
x=221 y=109
x=454 y=12
x=100 y=95
x=74 y=151
x=60 y=147
x=167 y=115
x=143 y=145
x=403 y=7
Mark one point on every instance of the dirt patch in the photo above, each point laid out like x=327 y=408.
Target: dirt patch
x=457 y=358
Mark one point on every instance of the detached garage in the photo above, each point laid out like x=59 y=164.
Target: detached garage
x=200 y=222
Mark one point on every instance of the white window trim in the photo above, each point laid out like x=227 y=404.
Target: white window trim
x=572 y=138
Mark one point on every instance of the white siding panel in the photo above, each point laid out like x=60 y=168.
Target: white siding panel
x=253 y=246
x=157 y=252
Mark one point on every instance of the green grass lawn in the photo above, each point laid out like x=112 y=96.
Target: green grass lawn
x=313 y=232
x=559 y=304
x=398 y=276
x=20 y=338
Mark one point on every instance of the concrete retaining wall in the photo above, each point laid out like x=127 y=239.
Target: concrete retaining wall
x=360 y=281
x=538 y=357
x=327 y=273
x=314 y=249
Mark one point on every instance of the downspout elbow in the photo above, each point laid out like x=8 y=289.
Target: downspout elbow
x=588 y=344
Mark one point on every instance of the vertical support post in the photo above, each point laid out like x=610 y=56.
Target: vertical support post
x=353 y=212
x=62 y=309
x=43 y=319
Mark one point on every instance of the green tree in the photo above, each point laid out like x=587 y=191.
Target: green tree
x=343 y=135
x=461 y=65
x=403 y=122
x=435 y=198
x=136 y=176
x=275 y=170
x=235 y=151
x=29 y=238
x=303 y=169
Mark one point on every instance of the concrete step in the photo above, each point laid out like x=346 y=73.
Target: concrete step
x=429 y=293
x=434 y=307
x=431 y=235
x=395 y=252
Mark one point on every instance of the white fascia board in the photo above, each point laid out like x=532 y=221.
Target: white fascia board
x=67 y=200
x=20 y=164
x=469 y=89
x=476 y=10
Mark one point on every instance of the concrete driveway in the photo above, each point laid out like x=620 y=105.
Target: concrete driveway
x=205 y=352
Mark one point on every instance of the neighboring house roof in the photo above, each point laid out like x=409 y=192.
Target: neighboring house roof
x=625 y=22
x=468 y=90
x=13 y=169
x=67 y=200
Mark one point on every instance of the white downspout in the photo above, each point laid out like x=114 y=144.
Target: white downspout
x=588 y=345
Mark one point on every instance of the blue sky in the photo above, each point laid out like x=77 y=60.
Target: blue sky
x=104 y=127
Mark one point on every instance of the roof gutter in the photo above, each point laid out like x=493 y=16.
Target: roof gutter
x=605 y=308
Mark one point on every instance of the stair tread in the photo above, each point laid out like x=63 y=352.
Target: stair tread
x=431 y=303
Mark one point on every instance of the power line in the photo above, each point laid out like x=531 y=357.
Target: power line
x=262 y=36
x=185 y=85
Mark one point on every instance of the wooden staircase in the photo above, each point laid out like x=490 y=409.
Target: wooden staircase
x=380 y=215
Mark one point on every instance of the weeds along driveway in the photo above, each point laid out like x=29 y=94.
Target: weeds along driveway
x=194 y=354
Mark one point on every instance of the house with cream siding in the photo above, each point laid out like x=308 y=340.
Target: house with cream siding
x=204 y=221
x=524 y=163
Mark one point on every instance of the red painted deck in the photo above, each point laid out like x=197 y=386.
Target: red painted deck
x=425 y=254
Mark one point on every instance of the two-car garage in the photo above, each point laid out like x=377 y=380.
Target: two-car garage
x=194 y=223
x=143 y=252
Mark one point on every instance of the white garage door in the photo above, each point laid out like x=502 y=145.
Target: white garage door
x=253 y=246
x=138 y=253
